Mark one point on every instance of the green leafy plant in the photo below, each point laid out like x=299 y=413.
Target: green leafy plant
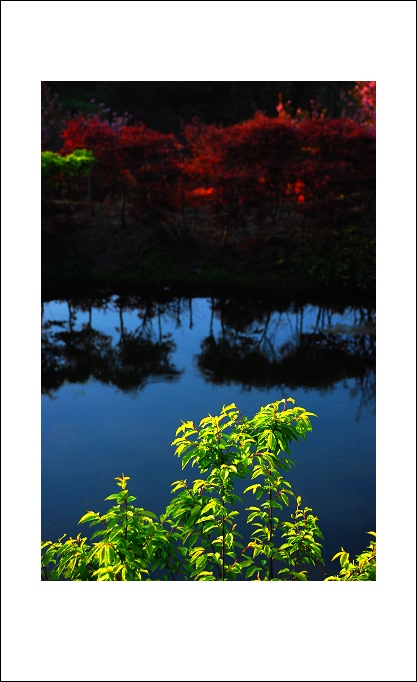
x=132 y=539
x=198 y=538
x=364 y=568
x=204 y=513
x=80 y=161
x=58 y=170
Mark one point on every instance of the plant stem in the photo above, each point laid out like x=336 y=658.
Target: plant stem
x=322 y=569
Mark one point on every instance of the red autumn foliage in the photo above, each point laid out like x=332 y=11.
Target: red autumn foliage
x=100 y=138
x=340 y=158
x=132 y=159
x=244 y=165
x=152 y=159
x=253 y=168
x=93 y=134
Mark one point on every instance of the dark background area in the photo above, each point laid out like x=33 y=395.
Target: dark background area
x=165 y=105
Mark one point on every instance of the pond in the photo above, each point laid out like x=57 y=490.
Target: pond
x=120 y=373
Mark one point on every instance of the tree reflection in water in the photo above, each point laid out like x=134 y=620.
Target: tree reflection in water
x=255 y=345
x=135 y=360
x=246 y=351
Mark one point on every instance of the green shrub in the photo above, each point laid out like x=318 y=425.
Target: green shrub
x=198 y=537
x=363 y=569
x=58 y=172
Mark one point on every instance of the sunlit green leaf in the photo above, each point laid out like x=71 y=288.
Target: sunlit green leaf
x=201 y=561
x=88 y=517
x=210 y=517
x=208 y=506
x=253 y=487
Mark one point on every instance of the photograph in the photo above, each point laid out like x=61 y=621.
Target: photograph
x=208 y=330
x=192 y=390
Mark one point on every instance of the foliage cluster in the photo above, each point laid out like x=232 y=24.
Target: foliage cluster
x=245 y=172
x=229 y=172
x=364 y=568
x=198 y=537
x=59 y=172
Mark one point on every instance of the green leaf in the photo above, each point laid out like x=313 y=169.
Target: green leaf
x=144 y=512
x=201 y=561
x=228 y=407
x=98 y=533
x=182 y=448
x=206 y=573
x=184 y=426
x=271 y=440
x=253 y=487
x=251 y=571
x=179 y=485
x=186 y=458
x=208 y=506
x=300 y=575
x=196 y=552
x=192 y=539
x=89 y=516
x=210 y=517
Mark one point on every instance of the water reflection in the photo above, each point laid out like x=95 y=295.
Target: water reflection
x=137 y=357
x=249 y=350
x=307 y=361
x=248 y=343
